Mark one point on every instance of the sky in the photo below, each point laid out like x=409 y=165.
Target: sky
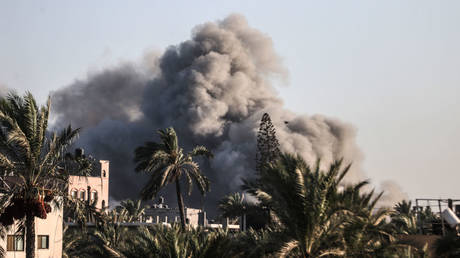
x=390 y=68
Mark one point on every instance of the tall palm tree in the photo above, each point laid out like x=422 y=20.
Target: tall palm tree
x=32 y=156
x=233 y=205
x=300 y=196
x=166 y=163
x=367 y=232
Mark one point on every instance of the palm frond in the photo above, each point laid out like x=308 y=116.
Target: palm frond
x=200 y=151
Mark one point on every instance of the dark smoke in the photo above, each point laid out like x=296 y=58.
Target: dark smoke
x=213 y=89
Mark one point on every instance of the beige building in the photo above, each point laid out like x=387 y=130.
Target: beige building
x=92 y=187
x=162 y=214
x=48 y=238
x=49 y=232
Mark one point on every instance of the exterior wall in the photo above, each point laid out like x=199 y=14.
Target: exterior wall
x=51 y=226
x=168 y=215
x=163 y=215
x=98 y=184
x=192 y=215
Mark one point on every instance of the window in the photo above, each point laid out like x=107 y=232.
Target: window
x=93 y=196
x=15 y=243
x=82 y=194
x=74 y=194
x=43 y=241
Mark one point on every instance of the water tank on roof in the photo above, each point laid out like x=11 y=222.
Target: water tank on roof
x=449 y=216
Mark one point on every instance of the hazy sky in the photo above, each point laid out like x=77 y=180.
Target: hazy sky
x=388 y=67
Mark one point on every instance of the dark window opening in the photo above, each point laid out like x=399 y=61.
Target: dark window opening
x=43 y=242
x=15 y=243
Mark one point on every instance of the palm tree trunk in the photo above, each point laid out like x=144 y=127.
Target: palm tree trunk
x=30 y=234
x=180 y=203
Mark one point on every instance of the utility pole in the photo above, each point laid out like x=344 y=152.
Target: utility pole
x=417 y=214
x=440 y=216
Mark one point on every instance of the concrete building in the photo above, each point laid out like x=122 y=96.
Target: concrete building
x=92 y=187
x=48 y=238
x=161 y=213
x=49 y=231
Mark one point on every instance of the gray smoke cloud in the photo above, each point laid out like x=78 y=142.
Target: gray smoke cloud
x=213 y=89
x=393 y=193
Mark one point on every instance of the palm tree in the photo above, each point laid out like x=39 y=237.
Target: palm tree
x=233 y=205
x=366 y=233
x=82 y=212
x=258 y=243
x=72 y=241
x=236 y=206
x=404 y=207
x=166 y=163
x=32 y=155
x=165 y=241
x=133 y=209
x=404 y=219
x=111 y=235
x=162 y=241
x=144 y=243
x=107 y=239
x=300 y=198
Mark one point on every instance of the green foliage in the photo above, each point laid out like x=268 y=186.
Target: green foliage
x=31 y=158
x=404 y=208
x=233 y=205
x=166 y=163
x=28 y=151
x=267 y=143
x=299 y=196
x=318 y=215
x=314 y=214
x=164 y=241
x=133 y=209
x=404 y=219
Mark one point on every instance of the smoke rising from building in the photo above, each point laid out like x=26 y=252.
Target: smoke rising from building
x=213 y=89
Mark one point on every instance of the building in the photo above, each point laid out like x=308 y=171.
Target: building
x=91 y=188
x=49 y=231
x=48 y=237
x=161 y=213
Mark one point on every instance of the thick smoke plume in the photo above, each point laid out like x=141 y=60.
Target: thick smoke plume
x=213 y=89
